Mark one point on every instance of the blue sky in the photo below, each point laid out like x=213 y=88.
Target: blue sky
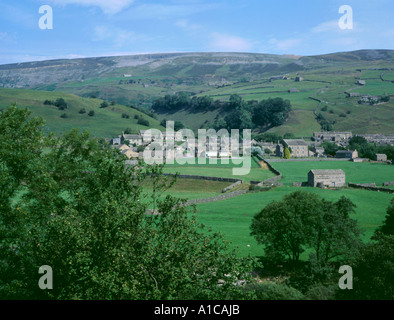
x=91 y=28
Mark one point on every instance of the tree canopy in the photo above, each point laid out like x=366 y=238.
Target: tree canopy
x=70 y=202
x=303 y=221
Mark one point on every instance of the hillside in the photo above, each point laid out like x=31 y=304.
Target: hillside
x=106 y=123
x=139 y=80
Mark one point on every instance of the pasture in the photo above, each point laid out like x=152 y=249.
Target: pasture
x=232 y=217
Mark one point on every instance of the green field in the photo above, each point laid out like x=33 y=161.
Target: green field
x=233 y=217
x=220 y=170
x=192 y=188
x=355 y=172
x=106 y=123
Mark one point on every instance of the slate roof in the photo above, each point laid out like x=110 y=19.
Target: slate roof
x=327 y=172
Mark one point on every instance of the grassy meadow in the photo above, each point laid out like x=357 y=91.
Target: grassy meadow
x=232 y=217
x=106 y=123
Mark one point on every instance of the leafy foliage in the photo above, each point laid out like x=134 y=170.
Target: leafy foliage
x=71 y=203
x=303 y=221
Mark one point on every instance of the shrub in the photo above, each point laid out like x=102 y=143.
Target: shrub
x=104 y=105
x=91 y=113
x=82 y=111
x=64 y=116
x=143 y=122
x=274 y=291
x=125 y=116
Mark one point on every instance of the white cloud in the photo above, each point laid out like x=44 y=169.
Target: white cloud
x=286 y=44
x=120 y=37
x=186 y=25
x=107 y=6
x=224 y=42
x=326 y=27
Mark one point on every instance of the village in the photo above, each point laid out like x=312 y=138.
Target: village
x=133 y=145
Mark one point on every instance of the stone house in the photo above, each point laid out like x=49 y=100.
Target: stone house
x=134 y=139
x=380 y=157
x=130 y=154
x=332 y=136
x=318 y=151
x=298 y=147
x=346 y=154
x=327 y=178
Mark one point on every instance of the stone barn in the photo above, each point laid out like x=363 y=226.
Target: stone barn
x=328 y=178
x=380 y=157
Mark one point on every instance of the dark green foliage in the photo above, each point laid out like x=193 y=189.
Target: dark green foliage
x=178 y=125
x=388 y=225
x=84 y=213
x=237 y=113
x=331 y=148
x=82 y=111
x=271 y=112
x=274 y=291
x=104 y=104
x=143 y=122
x=305 y=221
x=91 y=113
x=60 y=103
x=64 y=116
x=125 y=116
x=373 y=271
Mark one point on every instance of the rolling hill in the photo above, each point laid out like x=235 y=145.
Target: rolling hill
x=140 y=79
x=106 y=123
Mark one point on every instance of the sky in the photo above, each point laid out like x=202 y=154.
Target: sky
x=93 y=28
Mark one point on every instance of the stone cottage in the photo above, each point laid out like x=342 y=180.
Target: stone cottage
x=327 y=178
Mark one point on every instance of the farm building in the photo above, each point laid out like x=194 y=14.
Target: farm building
x=380 y=157
x=299 y=79
x=132 y=138
x=332 y=136
x=347 y=154
x=298 y=147
x=328 y=178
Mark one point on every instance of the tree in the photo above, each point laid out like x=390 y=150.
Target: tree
x=287 y=154
x=303 y=221
x=103 y=105
x=373 y=271
x=61 y=104
x=178 y=125
x=143 y=122
x=84 y=213
x=388 y=225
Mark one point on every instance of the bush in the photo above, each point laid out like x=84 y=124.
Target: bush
x=274 y=291
x=104 y=105
x=143 y=122
x=125 y=116
x=61 y=104
x=64 y=116
x=91 y=113
x=82 y=111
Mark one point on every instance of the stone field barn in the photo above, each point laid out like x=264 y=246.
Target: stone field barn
x=328 y=178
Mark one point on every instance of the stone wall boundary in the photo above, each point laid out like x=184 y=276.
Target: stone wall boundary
x=370 y=188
